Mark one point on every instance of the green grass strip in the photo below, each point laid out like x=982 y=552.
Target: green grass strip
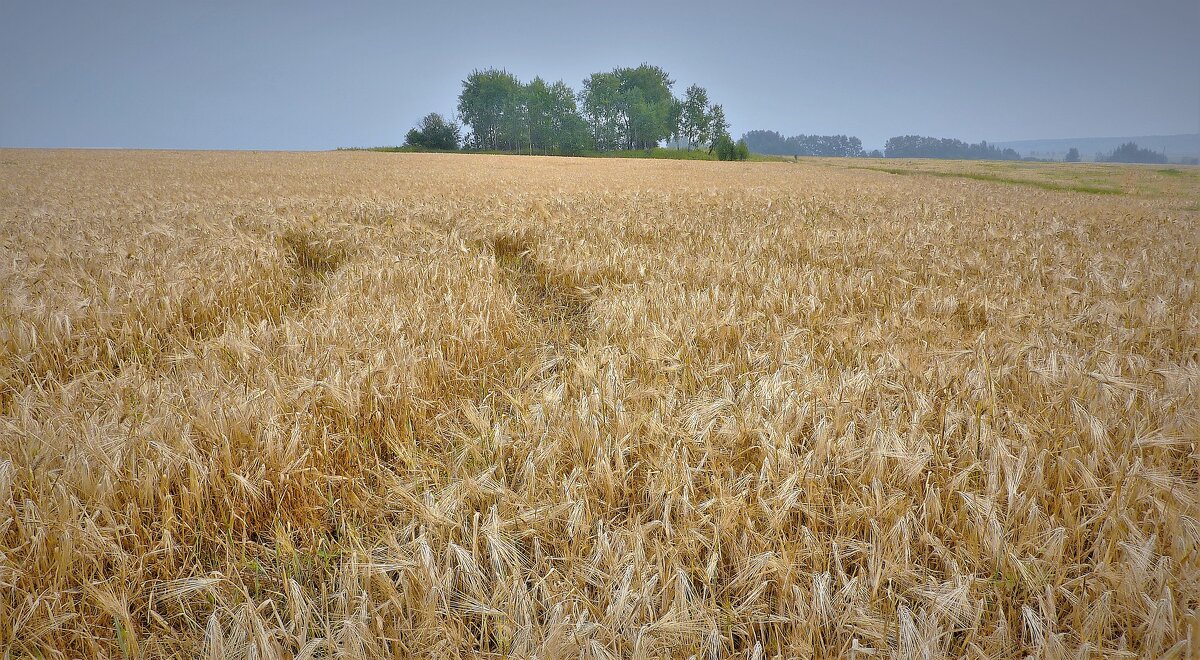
x=1044 y=185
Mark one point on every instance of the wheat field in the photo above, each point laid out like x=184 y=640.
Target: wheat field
x=267 y=405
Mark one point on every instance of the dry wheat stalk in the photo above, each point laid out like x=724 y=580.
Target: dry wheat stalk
x=288 y=405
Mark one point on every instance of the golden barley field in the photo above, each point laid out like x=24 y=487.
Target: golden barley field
x=268 y=405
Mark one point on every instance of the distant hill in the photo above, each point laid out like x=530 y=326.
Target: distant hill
x=1177 y=147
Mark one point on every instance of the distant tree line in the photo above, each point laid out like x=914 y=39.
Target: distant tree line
x=623 y=109
x=1131 y=153
x=634 y=108
x=774 y=143
x=919 y=146
x=844 y=146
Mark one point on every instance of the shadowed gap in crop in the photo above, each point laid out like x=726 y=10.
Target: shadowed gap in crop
x=545 y=297
x=311 y=259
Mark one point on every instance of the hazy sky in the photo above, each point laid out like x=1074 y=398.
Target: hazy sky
x=317 y=75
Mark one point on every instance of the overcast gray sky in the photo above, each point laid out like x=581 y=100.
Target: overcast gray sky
x=317 y=75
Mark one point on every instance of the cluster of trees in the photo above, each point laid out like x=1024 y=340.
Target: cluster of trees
x=434 y=132
x=1131 y=153
x=727 y=149
x=630 y=108
x=701 y=123
x=772 y=142
x=919 y=146
x=626 y=108
x=506 y=115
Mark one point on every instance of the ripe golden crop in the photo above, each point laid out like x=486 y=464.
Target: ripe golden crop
x=288 y=405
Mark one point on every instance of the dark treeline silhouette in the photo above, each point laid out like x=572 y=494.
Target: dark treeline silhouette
x=906 y=146
x=1131 y=153
x=626 y=108
x=774 y=143
x=919 y=146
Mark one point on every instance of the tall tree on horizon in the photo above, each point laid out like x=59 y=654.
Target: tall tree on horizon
x=695 y=121
x=649 y=105
x=630 y=108
x=601 y=104
x=555 y=126
x=492 y=104
x=718 y=126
